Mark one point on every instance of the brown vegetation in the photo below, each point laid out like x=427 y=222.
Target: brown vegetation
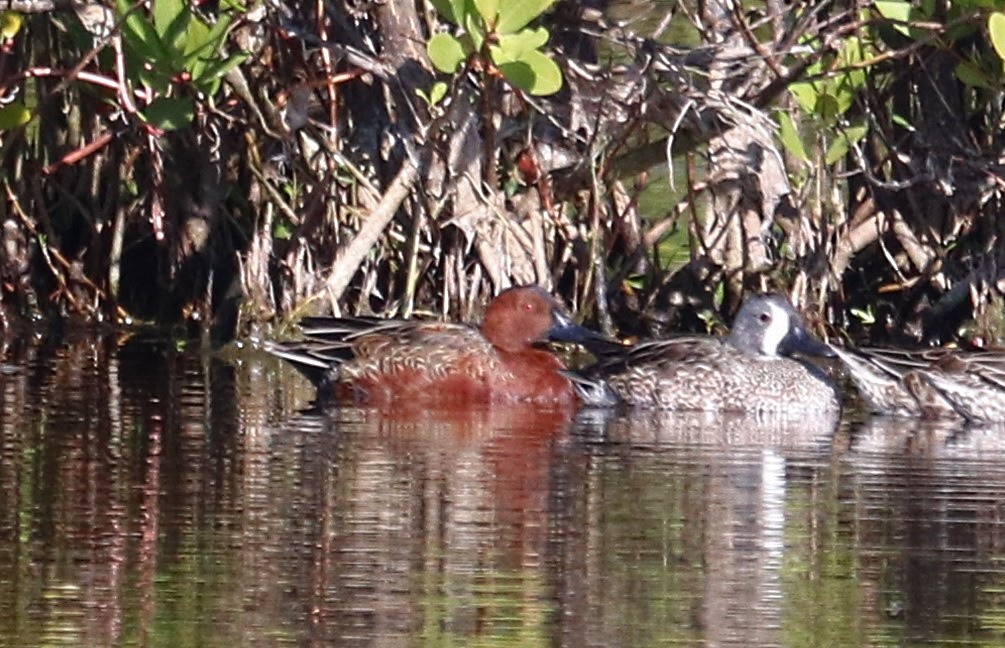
x=318 y=177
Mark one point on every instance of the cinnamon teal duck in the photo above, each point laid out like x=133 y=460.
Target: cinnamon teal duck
x=419 y=363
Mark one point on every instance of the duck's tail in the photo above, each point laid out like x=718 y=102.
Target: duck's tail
x=593 y=392
x=318 y=363
x=327 y=344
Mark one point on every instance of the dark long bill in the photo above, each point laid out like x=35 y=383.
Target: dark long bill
x=563 y=329
x=799 y=341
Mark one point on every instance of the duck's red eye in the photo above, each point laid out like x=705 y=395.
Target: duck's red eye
x=527 y=306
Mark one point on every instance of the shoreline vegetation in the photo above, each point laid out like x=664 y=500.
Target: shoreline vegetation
x=222 y=168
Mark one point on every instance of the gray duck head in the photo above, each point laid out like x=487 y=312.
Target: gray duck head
x=768 y=325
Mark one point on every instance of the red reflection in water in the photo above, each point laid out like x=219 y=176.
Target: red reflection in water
x=445 y=517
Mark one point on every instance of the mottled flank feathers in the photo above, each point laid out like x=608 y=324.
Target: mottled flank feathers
x=929 y=383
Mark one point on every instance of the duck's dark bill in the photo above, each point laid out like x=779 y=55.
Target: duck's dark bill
x=563 y=329
x=799 y=341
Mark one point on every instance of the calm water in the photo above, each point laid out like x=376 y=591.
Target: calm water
x=152 y=496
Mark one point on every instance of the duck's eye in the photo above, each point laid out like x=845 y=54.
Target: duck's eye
x=528 y=306
x=764 y=317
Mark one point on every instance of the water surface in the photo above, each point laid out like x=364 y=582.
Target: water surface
x=158 y=496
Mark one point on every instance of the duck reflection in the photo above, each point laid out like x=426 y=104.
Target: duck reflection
x=710 y=504
x=904 y=436
x=735 y=429
x=436 y=522
x=153 y=495
x=932 y=439
x=936 y=487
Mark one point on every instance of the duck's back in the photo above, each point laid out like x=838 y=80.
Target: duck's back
x=421 y=361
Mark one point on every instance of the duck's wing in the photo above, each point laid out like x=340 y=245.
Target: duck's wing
x=890 y=362
x=879 y=375
x=330 y=342
x=988 y=366
x=654 y=353
x=615 y=359
x=684 y=348
x=366 y=335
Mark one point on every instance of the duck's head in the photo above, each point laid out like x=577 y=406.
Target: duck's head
x=768 y=325
x=527 y=315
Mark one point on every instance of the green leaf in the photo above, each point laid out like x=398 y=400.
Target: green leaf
x=518 y=73
x=437 y=92
x=139 y=33
x=197 y=40
x=200 y=40
x=535 y=73
x=806 y=95
x=844 y=97
x=171 y=19
x=475 y=29
x=843 y=142
x=957 y=31
x=719 y=296
x=453 y=10
x=851 y=55
x=972 y=75
x=446 y=52
x=282 y=231
x=836 y=151
x=203 y=44
x=901 y=121
x=158 y=80
x=855 y=133
x=170 y=113
x=852 y=51
x=899 y=13
x=513 y=46
x=865 y=316
x=514 y=16
x=13 y=116
x=489 y=11
x=206 y=82
x=828 y=107
x=10 y=24
x=789 y=135
x=198 y=49
x=635 y=281
x=547 y=74
x=996 y=30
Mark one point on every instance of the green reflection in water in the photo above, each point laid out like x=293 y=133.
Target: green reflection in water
x=492 y=608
